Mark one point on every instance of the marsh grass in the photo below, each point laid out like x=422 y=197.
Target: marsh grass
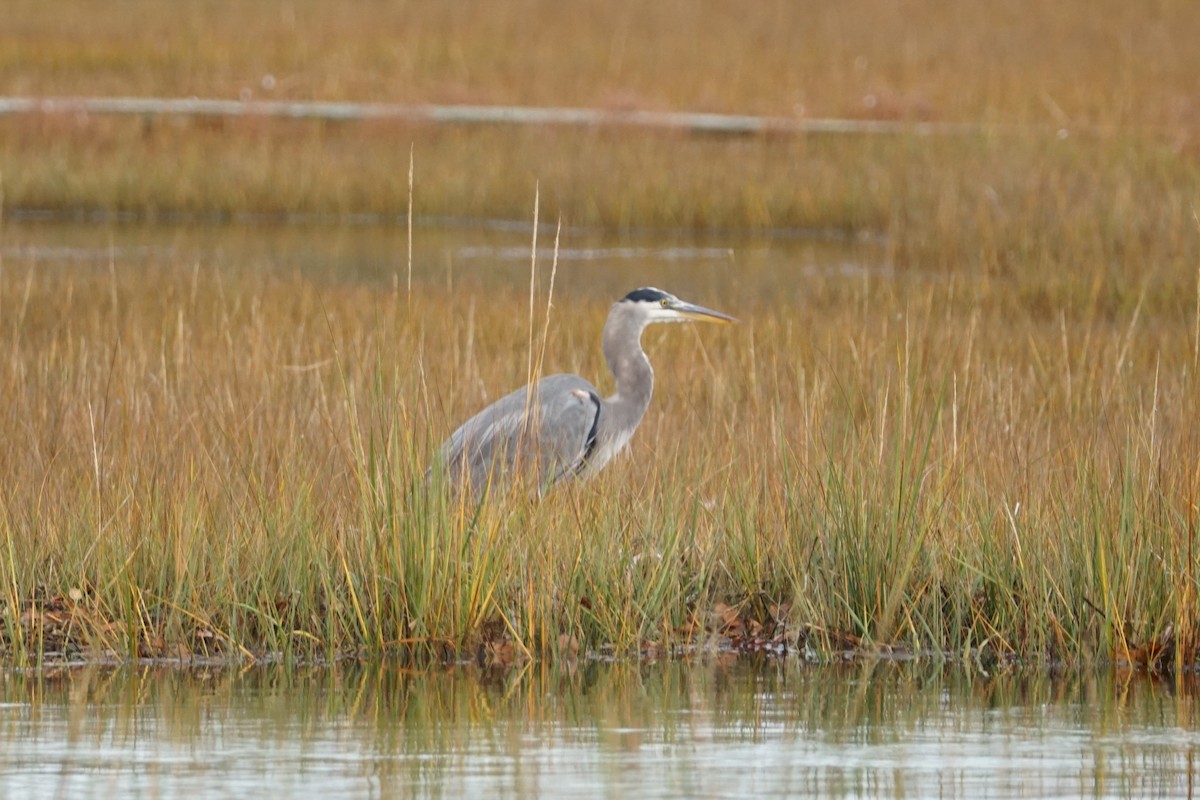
x=208 y=461
x=1098 y=63
x=1005 y=204
x=989 y=449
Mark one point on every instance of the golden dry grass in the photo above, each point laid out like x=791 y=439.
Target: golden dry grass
x=1090 y=63
x=226 y=461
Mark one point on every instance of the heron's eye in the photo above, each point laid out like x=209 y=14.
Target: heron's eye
x=664 y=302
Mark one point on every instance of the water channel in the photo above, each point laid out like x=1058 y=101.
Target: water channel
x=710 y=727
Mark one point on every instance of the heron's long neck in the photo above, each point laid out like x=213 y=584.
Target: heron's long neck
x=622 y=342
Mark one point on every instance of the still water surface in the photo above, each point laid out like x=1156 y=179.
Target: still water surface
x=705 y=728
x=466 y=255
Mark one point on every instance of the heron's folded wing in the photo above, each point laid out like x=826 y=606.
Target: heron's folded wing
x=548 y=435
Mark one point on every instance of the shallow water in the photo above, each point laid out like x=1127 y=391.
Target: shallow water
x=590 y=264
x=708 y=728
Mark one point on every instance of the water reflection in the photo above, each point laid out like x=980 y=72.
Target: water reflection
x=710 y=728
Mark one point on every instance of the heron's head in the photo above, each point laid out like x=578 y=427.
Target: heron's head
x=654 y=305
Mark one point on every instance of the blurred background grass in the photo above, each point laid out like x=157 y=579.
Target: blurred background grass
x=1119 y=82
x=1100 y=63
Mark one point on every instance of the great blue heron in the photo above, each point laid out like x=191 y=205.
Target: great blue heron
x=565 y=428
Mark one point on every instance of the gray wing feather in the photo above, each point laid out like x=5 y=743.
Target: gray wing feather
x=548 y=438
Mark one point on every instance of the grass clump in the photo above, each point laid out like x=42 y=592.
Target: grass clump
x=205 y=461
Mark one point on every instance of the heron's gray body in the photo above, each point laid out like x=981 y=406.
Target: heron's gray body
x=561 y=426
x=550 y=434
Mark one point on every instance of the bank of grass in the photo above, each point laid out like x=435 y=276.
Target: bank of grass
x=205 y=461
x=1003 y=203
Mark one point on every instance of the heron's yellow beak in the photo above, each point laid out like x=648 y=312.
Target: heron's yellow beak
x=702 y=314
